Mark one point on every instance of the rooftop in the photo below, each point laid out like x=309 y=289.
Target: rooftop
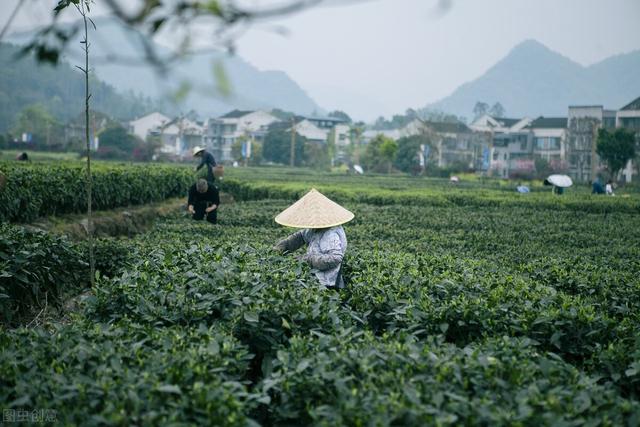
x=450 y=127
x=236 y=114
x=633 y=105
x=549 y=123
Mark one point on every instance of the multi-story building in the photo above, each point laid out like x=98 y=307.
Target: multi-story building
x=179 y=136
x=221 y=133
x=550 y=141
x=628 y=117
x=582 y=130
x=141 y=127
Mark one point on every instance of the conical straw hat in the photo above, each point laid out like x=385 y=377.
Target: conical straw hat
x=314 y=210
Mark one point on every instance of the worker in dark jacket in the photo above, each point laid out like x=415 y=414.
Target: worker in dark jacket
x=207 y=160
x=204 y=199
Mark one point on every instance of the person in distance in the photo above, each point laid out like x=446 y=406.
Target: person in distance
x=204 y=199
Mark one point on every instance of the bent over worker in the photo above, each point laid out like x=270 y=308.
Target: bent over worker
x=206 y=160
x=204 y=199
x=321 y=221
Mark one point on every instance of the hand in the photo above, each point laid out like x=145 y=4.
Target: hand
x=191 y=210
x=211 y=208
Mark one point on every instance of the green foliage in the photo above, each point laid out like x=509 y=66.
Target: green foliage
x=117 y=143
x=407 y=157
x=379 y=153
x=24 y=82
x=616 y=148
x=277 y=147
x=36 y=269
x=37 y=121
x=127 y=374
x=42 y=189
x=444 y=322
x=338 y=114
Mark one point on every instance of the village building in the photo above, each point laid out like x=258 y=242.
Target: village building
x=141 y=127
x=222 y=132
x=628 y=117
x=179 y=136
x=582 y=131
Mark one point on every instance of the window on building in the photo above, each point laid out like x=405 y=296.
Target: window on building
x=495 y=155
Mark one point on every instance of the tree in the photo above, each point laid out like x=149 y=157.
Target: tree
x=388 y=151
x=615 y=148
x=277 y=147
x=376 y=157
x=497 y=110
x=407 y=159
x=117 y=143
x=340 y=115
x=480 y=109
x=36 y=120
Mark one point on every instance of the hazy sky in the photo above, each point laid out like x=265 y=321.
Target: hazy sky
x=383 y=56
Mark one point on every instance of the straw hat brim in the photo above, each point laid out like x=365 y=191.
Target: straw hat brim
x=197 y=150
x=314 y=210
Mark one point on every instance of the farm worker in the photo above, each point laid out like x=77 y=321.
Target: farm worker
x=321 y=221
x=597 y=187
x=204 y=198
x=609 y=188
x=207 y=160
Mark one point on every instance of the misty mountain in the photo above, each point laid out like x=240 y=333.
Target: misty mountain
x=24 y=82
x=249 y=87
x=533 y=80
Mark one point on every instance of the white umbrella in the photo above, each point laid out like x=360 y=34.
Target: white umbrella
x=560 y=181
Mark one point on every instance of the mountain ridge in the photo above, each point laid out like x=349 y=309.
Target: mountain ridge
x=252 y=88
x=533 y=80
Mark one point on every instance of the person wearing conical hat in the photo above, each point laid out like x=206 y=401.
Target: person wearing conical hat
x=207 y=160
x=321 y=221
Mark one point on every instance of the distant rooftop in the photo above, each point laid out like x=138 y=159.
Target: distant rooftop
x=450 y=127
x=506 y=122
x=236 y=114
x=633 y=105
x=549 y=123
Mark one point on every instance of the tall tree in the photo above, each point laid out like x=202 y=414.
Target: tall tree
x=407 y=158
x=380 y=150
x=497 y=110
x=480 y=109
x=277 y=147
x=37 y=121
x=388 y=151
x=616 y=148
x=337 y=114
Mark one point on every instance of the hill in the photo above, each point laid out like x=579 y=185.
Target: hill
x=24 y=82
x=250 y=88
x=533 y=80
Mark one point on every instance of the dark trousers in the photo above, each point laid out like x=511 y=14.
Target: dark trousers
x=212 y=216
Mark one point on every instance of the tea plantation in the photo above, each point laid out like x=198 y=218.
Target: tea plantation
x=465 y=306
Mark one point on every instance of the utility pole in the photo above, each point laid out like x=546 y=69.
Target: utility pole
x=292 y=157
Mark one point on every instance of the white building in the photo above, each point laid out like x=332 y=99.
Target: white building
x=143 y=125
x=221 y=133
x=311 y=132
x=550 y=140
x=582 y=127
x=492 y=124
x=179 y=136
x=628 y=117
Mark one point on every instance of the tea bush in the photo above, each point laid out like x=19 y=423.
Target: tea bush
x=36 y=269
x=43 y=189
x=458 y=313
